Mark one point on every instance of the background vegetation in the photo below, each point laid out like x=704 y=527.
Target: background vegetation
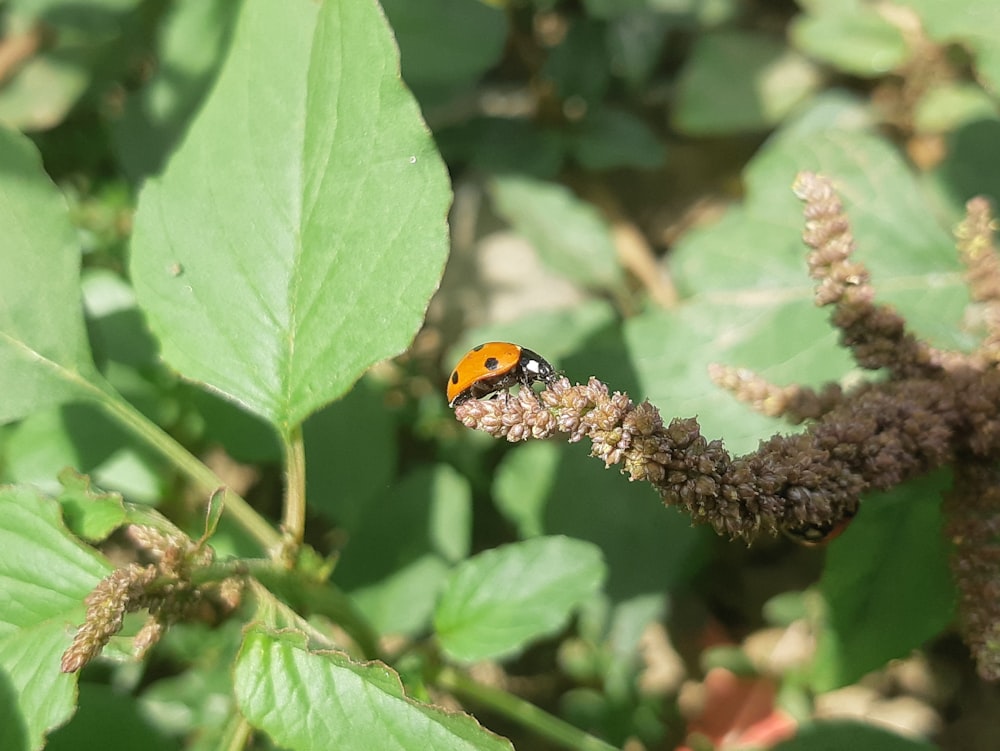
x=218 y=216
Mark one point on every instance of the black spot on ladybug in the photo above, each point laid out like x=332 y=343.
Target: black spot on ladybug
x=454 y=376
x=476 y=349
x=491 y=363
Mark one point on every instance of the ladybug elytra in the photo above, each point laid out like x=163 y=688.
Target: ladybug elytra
x=815 y=535
x=496 y=366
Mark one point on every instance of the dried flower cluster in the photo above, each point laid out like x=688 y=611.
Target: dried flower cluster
x=935 y=408
x=164 y=588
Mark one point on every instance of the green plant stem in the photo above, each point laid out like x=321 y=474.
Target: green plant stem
x=205 y=479
x=520 y=711
x=293 y=522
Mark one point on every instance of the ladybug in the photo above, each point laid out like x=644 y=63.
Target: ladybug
x=496 y=366
x=817 y=535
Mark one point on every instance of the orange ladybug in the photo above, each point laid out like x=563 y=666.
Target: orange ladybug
x=816 y=535
x=496 y=366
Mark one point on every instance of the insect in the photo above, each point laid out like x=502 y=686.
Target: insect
x=496 y=366
x=816 y=535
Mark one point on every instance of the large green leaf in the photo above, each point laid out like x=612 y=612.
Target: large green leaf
x=749 y=299
x=45 y=575
x=497 y=601
x=44 y=356
x=887 y=585
x=309 y=700
x=298 y=233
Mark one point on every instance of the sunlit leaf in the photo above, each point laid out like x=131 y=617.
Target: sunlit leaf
x=295 y=238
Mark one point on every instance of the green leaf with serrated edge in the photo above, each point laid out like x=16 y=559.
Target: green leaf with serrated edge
x=886 y=583
x=568 y=233
x=44 y=355
x=91 y=514
x=307 y=700
x=748 y=295
x=498 y=601
x=296 y=236
x=46 y=575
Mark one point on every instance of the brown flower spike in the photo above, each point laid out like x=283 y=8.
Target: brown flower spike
x=164 y=588
x=935 y=408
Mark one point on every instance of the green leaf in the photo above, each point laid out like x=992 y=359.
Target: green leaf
x=279 y=683
x=295 y=238
x=736 y=82
x=446 y=43
x=523 y=482
x=499 y=600
x=44 y=356
x=82 y=436
x=46 y=574
x=102 y=707
x=835 y=735
x=745 y=280
x=853 y=37
x=578 y=67
x=609 y=138
x=648 y=548
x=91 y=514
x=886 y=583
x=354 y=432
x=193 y=39
x=396 y=571
x=569 y=234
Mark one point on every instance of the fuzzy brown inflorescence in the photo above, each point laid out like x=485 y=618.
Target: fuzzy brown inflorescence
x=936 y=408
x=164 y=588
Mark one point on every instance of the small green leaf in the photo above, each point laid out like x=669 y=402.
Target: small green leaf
x=46 y=574
x=607 y=138
x=91 y=514
x=886 y=583
x=44 y=355
x=396 y=570
x=213 y=512
x=296 y=236
x=568 y=233
x=854 y=38
x=307 y=700
x=523 y=482
x=498 y=601
x=736 y=82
